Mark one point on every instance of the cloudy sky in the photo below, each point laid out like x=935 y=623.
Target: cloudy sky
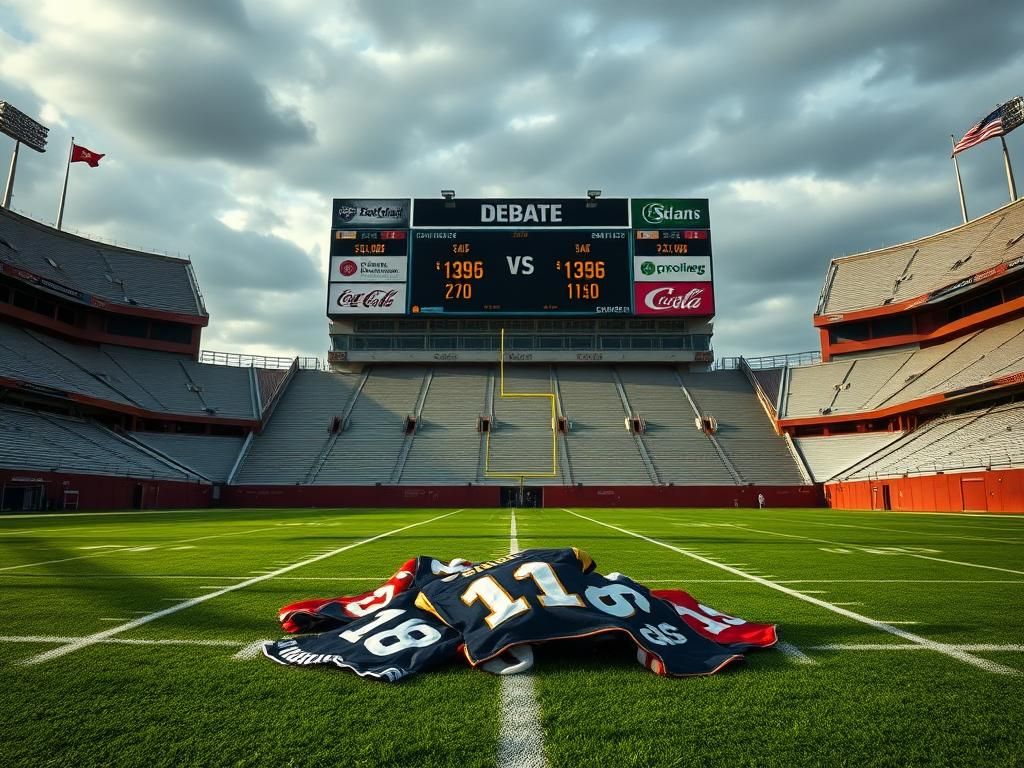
x=816 y=130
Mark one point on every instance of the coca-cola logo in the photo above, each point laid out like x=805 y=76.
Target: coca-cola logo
x=375 y=299
x=347 y=268
x=665 y=299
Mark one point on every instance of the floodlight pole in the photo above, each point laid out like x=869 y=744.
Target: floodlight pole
x=1009 y=170
x=10 y=176
x=959 y=182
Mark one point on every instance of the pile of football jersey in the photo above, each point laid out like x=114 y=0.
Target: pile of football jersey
x=491 y=614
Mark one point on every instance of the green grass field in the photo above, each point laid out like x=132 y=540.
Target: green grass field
x=187 y=688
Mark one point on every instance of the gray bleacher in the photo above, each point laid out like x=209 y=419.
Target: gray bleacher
x=600 y=448
x=118 y=275
x=828 y=456
x=744 y=430
x=368 y=449
x=184 y=386
x=299 y=429
x=211 y=456
x=681 y=453
x=154 y=381
x=981 y=438
x=24 y=358
x=889 y=378
x=446 y=446
x=521 y=435
x=45 y=442
x=908 y=270
x=770 y=380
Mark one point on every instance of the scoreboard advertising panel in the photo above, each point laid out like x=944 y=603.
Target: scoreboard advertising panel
x=520 y=257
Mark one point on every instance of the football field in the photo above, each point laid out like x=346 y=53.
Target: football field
x=132 y=639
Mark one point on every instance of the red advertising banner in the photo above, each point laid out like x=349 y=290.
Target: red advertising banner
x=674 y=299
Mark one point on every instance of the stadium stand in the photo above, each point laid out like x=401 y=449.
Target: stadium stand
x=891 y=378
x=905 y=271
x=599 y=447
x=744 y=432
x=35 y=440
x=978 y=439
x=447 y=447
x=287 y=449
x=117 y=275
x=368 y=449
x=209 y=456
x=520 y=437
x=150 y=380
x=827 y=457
x=681 y=453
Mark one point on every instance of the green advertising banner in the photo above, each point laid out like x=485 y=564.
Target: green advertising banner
x=670 y=213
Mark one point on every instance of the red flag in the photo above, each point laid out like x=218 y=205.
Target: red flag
x=82 y=155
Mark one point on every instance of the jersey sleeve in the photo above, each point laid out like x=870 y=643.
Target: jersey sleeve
x=389 y=644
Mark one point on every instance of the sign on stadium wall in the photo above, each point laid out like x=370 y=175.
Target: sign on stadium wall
x=651 y=269
x=524 y=212
x=673 y=299
x=369 y=269
x=357 y=213
x=670 y=213
x=366 y=299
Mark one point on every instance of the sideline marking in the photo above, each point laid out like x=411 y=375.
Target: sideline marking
x=84 y=642
x=970 y=565
x=915 y=533
x=520 y=739
x=250 y=651
x=943 y=648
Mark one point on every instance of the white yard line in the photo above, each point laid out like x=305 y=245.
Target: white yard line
x=794 y=654
x=146 y=513
x=520 y=738
x=947 y=650
x=84 y=642
x=132 y=548
x=117 y=641
x=969 y=565
x=250 y=651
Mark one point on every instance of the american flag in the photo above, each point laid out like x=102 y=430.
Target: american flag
x=998 y=122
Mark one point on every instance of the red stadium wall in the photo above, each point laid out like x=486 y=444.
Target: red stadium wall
x=990 y=491
x=490 y=496
x=101 y=492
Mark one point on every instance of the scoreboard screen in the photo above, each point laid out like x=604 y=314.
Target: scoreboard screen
x=525 y=272
x=506 y=257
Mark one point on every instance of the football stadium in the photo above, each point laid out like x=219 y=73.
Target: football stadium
x=519 y=514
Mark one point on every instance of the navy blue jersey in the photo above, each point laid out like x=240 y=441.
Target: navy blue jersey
x=553 y=594
x=388 y=644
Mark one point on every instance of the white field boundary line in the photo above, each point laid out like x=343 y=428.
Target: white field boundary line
x=976 y=647
x=107 y=514
x=84 y=642
x=866 y=547
x=925 y=533
x=78 y=576
x=133 y=547
x=520 y=738
x=943 y=648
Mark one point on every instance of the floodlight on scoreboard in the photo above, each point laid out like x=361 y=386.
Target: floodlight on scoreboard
x=22 y=128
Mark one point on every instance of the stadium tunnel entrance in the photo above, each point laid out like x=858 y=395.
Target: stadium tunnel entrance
x=522 y=496
x=23 y=497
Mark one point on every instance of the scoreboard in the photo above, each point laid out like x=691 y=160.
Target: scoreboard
x=520 y=257
x=476 y=272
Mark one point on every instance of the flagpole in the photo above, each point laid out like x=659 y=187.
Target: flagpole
x=10 y=176
x=1009 y=171
x=959 y=182
x=64 y=192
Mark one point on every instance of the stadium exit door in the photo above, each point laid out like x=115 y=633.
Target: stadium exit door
x=522 y=496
